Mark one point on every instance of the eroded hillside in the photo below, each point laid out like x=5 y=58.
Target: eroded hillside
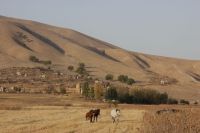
x=20 y=39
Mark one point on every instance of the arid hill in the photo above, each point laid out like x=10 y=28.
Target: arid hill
x=20 y=39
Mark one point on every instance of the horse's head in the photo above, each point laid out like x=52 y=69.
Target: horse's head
x=118 y=112
x=98 y=111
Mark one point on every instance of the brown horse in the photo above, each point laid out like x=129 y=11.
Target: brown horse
x=96 y=114
x=92 y=115
x=89 y=115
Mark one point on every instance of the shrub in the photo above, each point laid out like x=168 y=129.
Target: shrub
x=126 y=79
x=123 y=78
x=130 y=81
x=70 y=68
x=109 y=77
x=183 y=101
x=172 y=101
x=48 y=62
x=33 y=59
x=195 y=102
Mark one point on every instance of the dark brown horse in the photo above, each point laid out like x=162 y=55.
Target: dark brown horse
x=96 y=114
x=92 y=115
x=89 y=115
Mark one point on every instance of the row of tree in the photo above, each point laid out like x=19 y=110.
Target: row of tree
x=121 y=78
x=138 y=96
x=144 y=96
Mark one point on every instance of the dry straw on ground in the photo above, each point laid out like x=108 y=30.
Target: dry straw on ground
x=183 y=121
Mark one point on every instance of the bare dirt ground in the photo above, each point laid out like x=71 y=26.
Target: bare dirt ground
x=24 y=113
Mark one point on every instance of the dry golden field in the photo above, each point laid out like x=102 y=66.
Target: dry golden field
x=31 y=113
x=182 y=121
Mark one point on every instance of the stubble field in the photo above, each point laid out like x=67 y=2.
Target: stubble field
x=24 y=113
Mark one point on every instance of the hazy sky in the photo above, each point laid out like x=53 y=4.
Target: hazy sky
x=161 y=27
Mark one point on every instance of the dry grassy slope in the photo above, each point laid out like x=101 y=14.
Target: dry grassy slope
x=21 y=38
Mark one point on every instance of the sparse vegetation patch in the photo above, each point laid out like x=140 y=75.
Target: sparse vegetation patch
x=70 y=68
x=36 y=60
x=185 y=102
x=109 y=77
x=126 y=79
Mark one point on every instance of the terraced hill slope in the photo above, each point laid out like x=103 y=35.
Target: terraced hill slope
x=20 y=39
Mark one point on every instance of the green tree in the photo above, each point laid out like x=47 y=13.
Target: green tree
x=82 y=65
x=109 y=77
x=85 y=90
x=111 y=93
x=91 y=93
x=123 y=78
x=81 y=69
x=125 y=98
x=163 y=98
x=130 y=81
x=98 y=91
x=149 y=96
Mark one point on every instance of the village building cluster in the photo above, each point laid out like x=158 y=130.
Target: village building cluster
x=42 y=80
x=37 y=80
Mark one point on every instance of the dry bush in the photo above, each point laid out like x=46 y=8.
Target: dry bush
x=185 y=121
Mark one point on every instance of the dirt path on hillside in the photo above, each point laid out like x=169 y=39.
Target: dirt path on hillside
x=44 y=119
